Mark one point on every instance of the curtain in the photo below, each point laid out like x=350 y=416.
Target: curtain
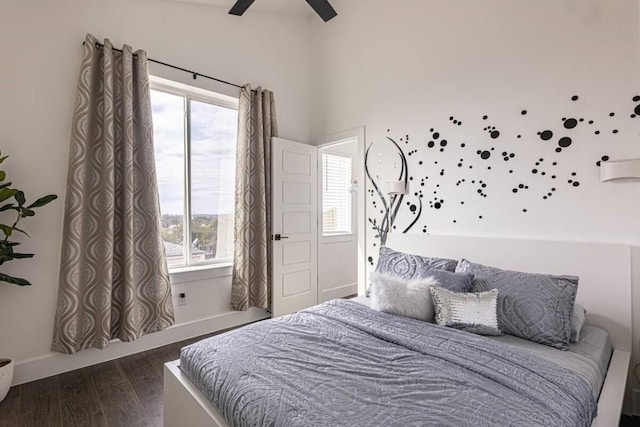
x=114 y=280
x=251 y=280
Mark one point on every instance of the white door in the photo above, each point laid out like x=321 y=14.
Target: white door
x=294 y=226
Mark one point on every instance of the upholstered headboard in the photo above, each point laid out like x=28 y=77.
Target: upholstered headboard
x=605 y=270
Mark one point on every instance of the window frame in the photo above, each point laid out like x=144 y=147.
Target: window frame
x=192 y=93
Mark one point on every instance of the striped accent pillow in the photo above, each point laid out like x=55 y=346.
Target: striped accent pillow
x=471 y=312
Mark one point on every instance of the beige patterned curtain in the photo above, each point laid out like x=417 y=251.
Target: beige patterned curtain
x=114 y=281
x=251 y=282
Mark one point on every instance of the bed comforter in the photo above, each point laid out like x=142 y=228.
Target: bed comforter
x=343 y=364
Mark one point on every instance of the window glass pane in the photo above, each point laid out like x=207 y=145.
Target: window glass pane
x=336 y=194
x=213 y=172
x=168 y=134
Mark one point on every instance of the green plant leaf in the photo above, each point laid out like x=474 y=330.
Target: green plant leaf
x=3 y=175
x=22 y=256
x=6 y=230
x=21 y=231
x=6 y=193
x=19 y=196
x=14 y=280
x=6 y=184
x=43 y=201
x=27 y=212
x=3 y=158
x=5 y=207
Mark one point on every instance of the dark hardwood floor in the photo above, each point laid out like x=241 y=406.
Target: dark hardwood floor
x=125 y=392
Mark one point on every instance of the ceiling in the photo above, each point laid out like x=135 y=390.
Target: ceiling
x=286 y=7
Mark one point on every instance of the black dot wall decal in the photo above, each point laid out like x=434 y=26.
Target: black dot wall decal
x=636 y=110
x=418 y=163
x=570 y=123
x=564 y=142
x=507 y=156
x=493 y=133
x=484 y=154
x=545 y=135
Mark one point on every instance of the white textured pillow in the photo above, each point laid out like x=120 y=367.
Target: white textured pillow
x=472 y=312
x=393 y=295
x=577 y=322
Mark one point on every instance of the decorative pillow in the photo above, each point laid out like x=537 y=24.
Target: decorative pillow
x=473 y=312
x=393 y=295
x=455 y=282
x=577 y=322
x=536 y=307
x=410 y=267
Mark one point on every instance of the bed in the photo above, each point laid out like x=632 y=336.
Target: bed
x=347 y=354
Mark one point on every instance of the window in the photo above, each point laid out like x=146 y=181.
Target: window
x=336 y=194
x=195 y=134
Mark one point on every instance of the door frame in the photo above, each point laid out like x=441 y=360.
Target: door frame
x=332 y=139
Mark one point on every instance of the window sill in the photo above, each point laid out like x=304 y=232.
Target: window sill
x=338 y=238
x=200 y=272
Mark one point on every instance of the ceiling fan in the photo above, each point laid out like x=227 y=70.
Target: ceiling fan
x=322 y=8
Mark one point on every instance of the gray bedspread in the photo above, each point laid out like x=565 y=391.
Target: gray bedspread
x=344 y=364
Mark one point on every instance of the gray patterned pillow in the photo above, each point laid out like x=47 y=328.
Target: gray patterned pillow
x=410 y=267
x=536 y=307
x=455 y=282
x=475 y=312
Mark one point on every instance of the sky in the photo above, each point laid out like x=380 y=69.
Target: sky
x=213 y=143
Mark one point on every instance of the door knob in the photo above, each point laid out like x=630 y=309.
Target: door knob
x=279 y=237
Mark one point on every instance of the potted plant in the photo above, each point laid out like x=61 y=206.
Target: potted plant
x=13 y=201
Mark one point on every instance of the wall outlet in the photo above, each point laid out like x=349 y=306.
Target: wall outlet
x=182 y=298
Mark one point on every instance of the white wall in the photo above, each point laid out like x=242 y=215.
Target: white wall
x=41 y=51
x=403 y=67
x=408 y=66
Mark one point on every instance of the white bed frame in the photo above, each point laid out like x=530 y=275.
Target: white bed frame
x=604 y=289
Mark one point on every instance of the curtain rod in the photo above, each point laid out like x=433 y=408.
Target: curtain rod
x=193 y=73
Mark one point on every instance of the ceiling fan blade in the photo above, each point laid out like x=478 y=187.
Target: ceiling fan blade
x=240 y=7
x=323 y=8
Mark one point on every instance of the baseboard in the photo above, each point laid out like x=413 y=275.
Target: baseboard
x=57 y=363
